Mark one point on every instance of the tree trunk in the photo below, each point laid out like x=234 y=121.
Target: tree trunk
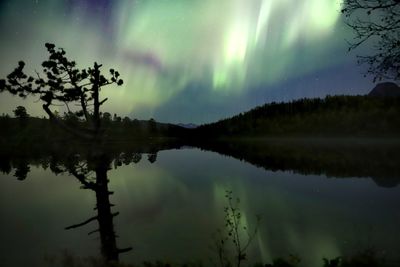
x=109 y=248
x=96 y=102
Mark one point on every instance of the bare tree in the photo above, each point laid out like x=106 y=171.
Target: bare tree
x=376 y=22
x=62 y=83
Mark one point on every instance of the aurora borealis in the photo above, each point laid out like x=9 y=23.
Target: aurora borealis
x=188 y=60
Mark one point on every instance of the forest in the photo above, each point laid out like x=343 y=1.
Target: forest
x=332 y=116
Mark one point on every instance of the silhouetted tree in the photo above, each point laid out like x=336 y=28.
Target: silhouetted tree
x=107 y=116
x=71 y=119
x=5 y=165
x=22 y=169
x=376 y=21
x=126 y=121
x=61 y=82
x=116 y=118
x=152 y=157
x=136 y=157
x=20 y=112
x=152 y=126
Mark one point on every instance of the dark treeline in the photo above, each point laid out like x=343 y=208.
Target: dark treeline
x=26 y=138
x=28 y=129
x=331 y=116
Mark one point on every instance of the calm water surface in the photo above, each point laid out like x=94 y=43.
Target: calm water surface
x=170 y=209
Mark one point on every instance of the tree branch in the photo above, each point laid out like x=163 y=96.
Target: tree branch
x=63 y=125
x=82 y=223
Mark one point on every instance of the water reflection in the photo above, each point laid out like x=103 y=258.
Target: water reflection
x=91 y=171
x=377 y=159
x=171 y=202
x=92 y=174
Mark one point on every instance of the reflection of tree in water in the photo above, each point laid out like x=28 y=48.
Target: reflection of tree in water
x=21 y=166
x=92 y=174
x=152 y=157
x=91 y=171
x=65 y=84
x=5 y=165
x=333 y=158
x=21 y=169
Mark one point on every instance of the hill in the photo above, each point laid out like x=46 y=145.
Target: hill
x=387 y=89
x=332 y=116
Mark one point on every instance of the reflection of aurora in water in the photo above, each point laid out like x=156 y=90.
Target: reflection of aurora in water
x=162 y=47
x=169 y=210
x=283 y=236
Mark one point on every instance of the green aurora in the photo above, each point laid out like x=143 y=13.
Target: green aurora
x=188 y=60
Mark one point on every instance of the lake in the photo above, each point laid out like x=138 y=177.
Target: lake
x=171 y=204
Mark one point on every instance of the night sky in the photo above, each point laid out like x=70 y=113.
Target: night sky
x=188 y=60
